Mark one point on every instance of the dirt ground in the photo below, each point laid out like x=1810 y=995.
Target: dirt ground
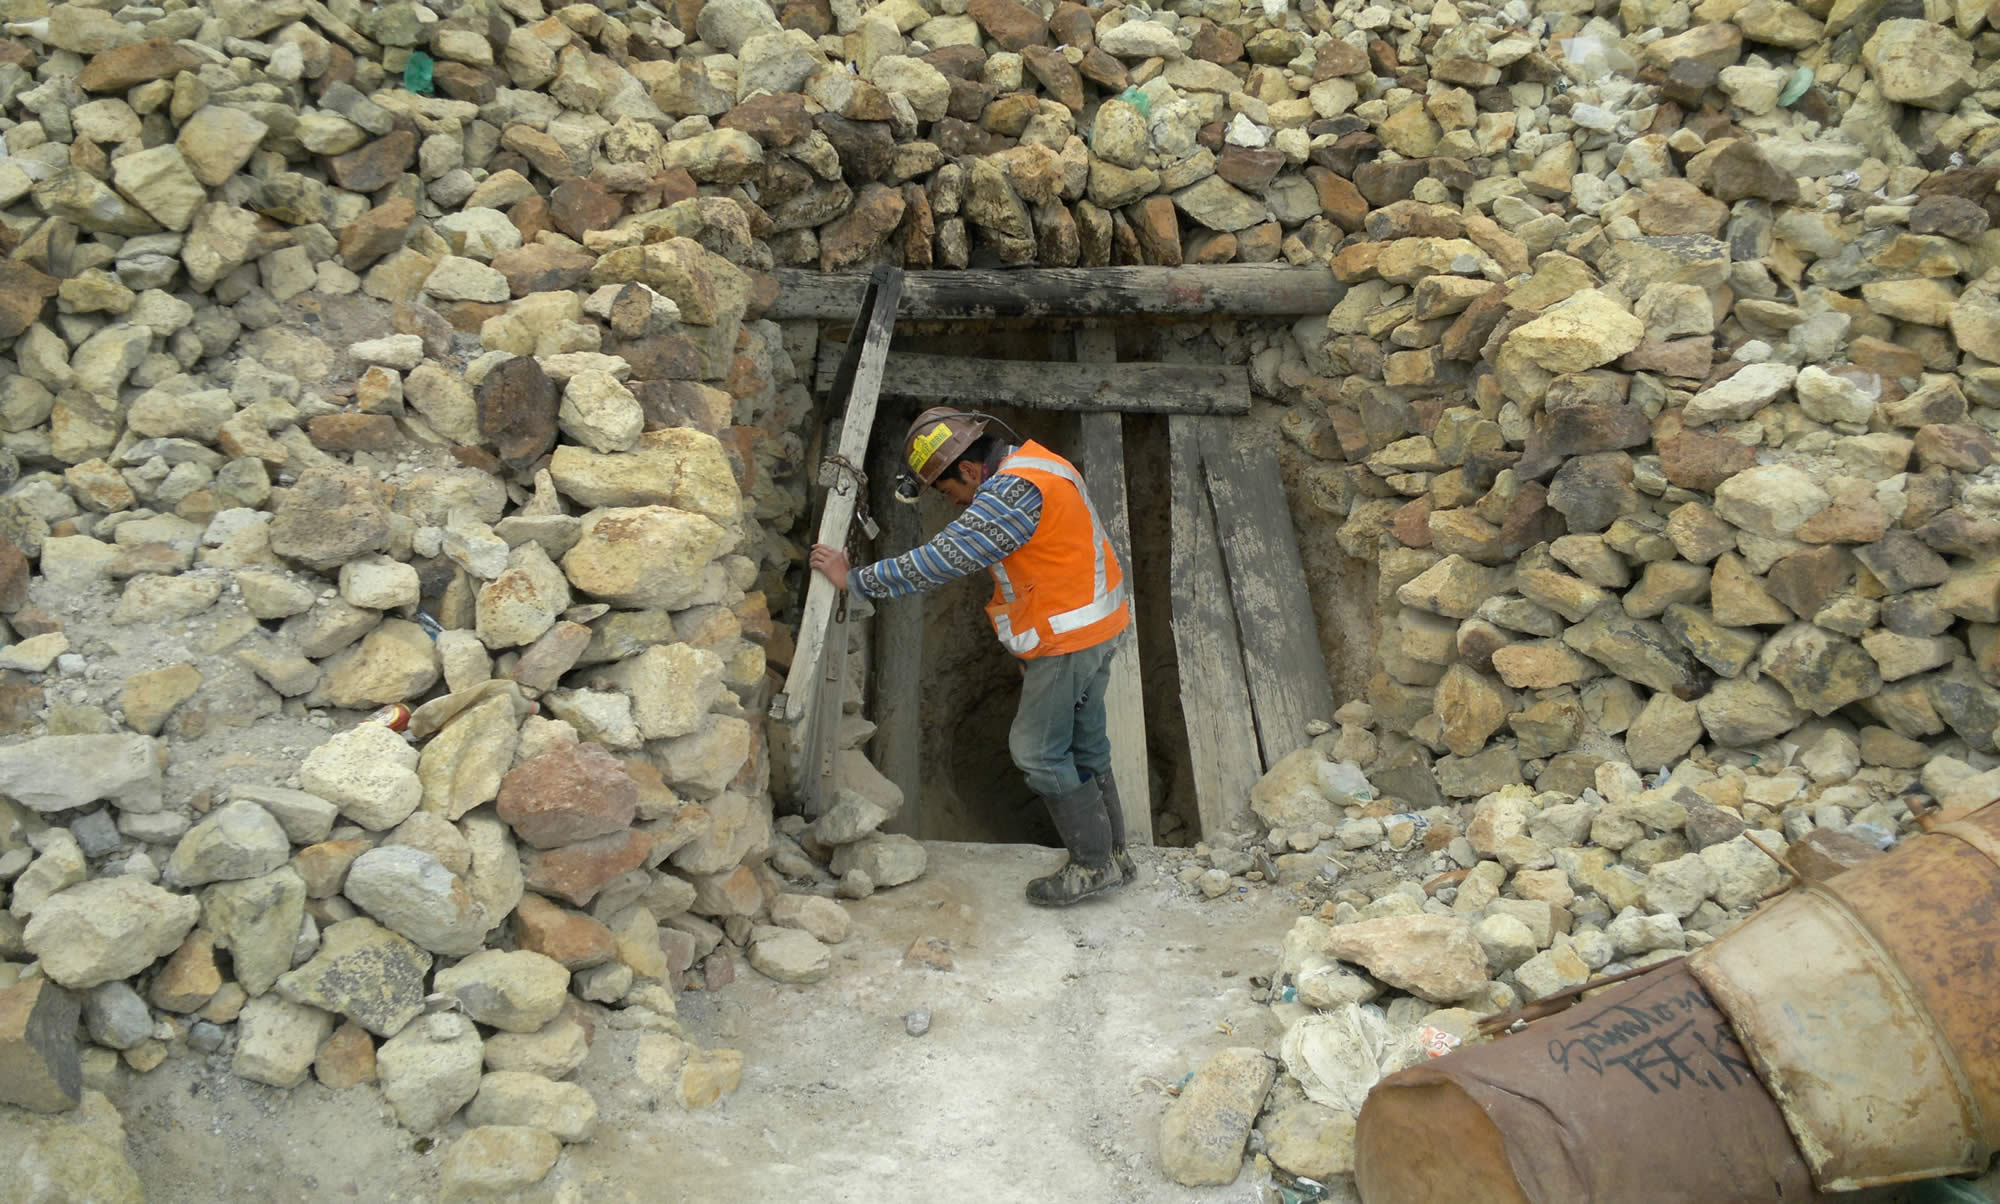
x=1041 y=1077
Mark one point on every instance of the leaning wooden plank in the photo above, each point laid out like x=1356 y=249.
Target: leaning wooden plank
x=857 y=421
x=1289 y=686
x=1245 y=289
x=818 y=778
x=1051 y=385
x=1124 y=700
x=898 y=648
x=1215 y=701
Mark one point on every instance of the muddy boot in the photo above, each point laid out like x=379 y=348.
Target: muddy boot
x=1079 y=817
x=1108 y=786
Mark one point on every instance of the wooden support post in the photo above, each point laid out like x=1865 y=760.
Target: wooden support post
x=1051 y=385
x=1242 y=289
x=1215 y=698
x=810 y=704
x=1125 y=703
x=899 y=648
x=1282 y=660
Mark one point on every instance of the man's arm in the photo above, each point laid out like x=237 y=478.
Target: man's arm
x=1000 y=518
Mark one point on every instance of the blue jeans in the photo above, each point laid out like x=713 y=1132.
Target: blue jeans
x=1059 y=736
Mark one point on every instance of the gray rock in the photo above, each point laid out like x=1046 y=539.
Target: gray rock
x=888 y=860
x=364 y=972
x=258 y=921
x=237 y=840
x=107 y=929
x=430 y=1070
x=518 y=992
x=276 y=1040
x=116 y=1017
x=788 y=955
x=306 y=818
x=57 y=773
x=512 y=1097
x=408 y=891
x=1206 y=1127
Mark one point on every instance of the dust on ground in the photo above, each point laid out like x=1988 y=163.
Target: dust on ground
x=1053 y=1041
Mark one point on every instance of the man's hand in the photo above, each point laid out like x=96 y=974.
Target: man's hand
x=832 y=562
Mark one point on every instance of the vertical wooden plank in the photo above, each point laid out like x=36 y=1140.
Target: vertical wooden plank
x=1215 y=699
x=819 y=781
x=897 y=749
x=1103 y=467
x=1282 y=659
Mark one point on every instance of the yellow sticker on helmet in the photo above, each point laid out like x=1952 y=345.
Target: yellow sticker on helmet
x=925 y=444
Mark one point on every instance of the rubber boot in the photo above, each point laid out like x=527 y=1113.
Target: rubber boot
x=1108 y=786
x=1079 y=817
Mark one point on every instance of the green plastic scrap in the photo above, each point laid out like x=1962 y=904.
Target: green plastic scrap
x=1138 y=100
x=417 y=73
x=1796 y=86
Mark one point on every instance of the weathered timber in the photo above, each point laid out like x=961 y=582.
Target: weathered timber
x=1215 y=698
x=1103 y=445
x=1241 y=289
x=811 y=696
x=1052 y=385
x=1289 y=685
x=897 y=646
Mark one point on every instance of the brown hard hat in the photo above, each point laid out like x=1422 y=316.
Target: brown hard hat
x=937 y=438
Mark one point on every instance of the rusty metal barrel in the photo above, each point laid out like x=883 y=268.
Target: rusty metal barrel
x=1868 y=1004
x=1640 y=1092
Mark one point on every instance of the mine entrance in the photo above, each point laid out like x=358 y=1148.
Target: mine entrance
x=1223 y=628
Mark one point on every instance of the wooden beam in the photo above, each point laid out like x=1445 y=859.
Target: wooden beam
x=861 y=371
x=898 y=646
x=1241 y=289
x=1049 y=385
x=1282 y=659
x=1103 y=466
x=1215 y=698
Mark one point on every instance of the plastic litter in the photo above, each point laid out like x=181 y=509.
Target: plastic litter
x=1338 y=1055
x=1795 y=87
x=1138 y=100
x=418 y=73
x=1436 y=1042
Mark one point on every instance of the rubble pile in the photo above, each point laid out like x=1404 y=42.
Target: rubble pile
x=412 y=354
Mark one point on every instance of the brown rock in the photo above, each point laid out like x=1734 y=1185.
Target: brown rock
x=1687 y=359
x=772 y=120
x=577 y=872
x=1062 y=82
x=189 y=978
x=1809 y=580
x=1250 y=169
x=376 y=164
x=23 y=293
x=14 y=574
x=1702 y=462
x=1952 y=216
x=542 y=268
x=582 y=205
x=569 y=937
x=376 y=233
x=348 y=1057
x=354 y=432
x=127 y=67
x=462 y=81
x=517 y=411
x=856 y=235
x=1158 y=230
x=567 y=794
x=1104 y=70
x=1336 y=58
x=1958 y=447
x=1011 y=24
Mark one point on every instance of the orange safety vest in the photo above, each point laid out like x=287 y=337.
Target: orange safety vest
x=1063 y=590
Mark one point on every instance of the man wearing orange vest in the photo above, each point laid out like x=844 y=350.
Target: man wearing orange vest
x=1058 y=603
